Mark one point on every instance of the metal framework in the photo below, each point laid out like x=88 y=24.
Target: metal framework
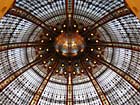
x=122 y=11
x=9 y=46
x=69 y=98
x=19 y=12
x=120 y=72
x=96 y=85
x=69 y=17
x=16 y=74
x=123 y=74
x=45 y=81
x=131 y=46
x=69 y=8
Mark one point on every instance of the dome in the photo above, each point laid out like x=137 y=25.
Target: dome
x=69 y=52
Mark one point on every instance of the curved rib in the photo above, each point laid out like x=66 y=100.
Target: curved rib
x=120 y=72
x=41 y=88
x=69 y=8
x=96 y=85
x=9 y=46
x=122 y=11
x=17 y=11
x=16 y=74
x=131 y=46
x=69 y=100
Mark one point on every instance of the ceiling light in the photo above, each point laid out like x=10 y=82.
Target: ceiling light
x=69 y=15
x=82 y=71
x=84 y=29
x=52 y=59
x=62 y=31
x=82 y=50
x=94 y=62
x=99 y=48
x=44 y=62
x=47 y=34
x=42 y=41
x=46 y=65
x=47 y=49
x=89 y=67
x=41 y=56
x=98 y=56
x=50 y=67
x=76 y=65
x=74 y=25
x=92 y=49
x=97 y=41
x=62 y=65
x=87 y=59
x=54 y=29
x=57 y=71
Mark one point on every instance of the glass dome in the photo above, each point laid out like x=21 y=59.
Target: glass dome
x=106 y=72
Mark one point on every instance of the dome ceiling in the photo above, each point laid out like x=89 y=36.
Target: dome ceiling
x=69 y=52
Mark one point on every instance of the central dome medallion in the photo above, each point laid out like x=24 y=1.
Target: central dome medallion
x=69 y=44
